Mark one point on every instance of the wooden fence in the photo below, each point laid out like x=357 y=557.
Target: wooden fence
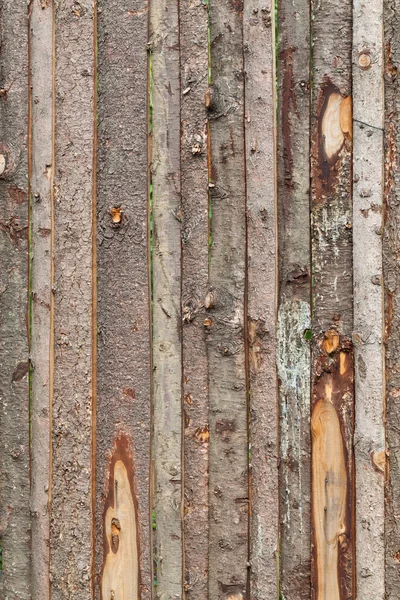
x=200 y=299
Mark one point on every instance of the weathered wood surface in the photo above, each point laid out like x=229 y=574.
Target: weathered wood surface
x=258 y=42
x=228 y=393
x=71 y=552
x=14 y=326
x=294 y=319
x=41 y=52
x=391 y=242
x=194 y=187
x=332 y=413
x=123 y=322
x=167 y=319
x=368 y=160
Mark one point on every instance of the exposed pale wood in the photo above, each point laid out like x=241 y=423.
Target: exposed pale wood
x=120 y=574
x=71 y=509
x=294 y=319
x=167 y=319
x=368 y=163
x=258 y=42
x=228 y=390
x=14 y=324
x=41 y=69
x=123 y=346
x=391 y=243
x=332 y=355
x=193 y=24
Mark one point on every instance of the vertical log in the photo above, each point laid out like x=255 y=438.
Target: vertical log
x=71 y=510
x=258 y=43
x=228 y=538
x=14 y=354
x=391 y=242
x=332 y=412
x=41 y=69
x=194 y=173
x=369 y=439
x=294 y=320
x=123 y=356
x=167 y=320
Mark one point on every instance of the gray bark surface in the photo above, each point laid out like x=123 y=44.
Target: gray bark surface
x=71 y=549
x=14 y=325
x=167 y=319
x=123 y=322
x=294 y=319
x=41 y=106
x=194 y=186
x=228 y=390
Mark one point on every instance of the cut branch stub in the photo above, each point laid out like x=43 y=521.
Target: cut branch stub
x=120 y=574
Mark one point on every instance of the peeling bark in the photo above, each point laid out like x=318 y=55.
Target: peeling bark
x=228 y=541
x=123 y=343
x=14 y=329
x=194 y=172
x=41 y=68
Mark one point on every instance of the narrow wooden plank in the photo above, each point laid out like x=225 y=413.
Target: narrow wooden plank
x=294 y=319
x=332 y=413
x=71 y=509
x=167 y=320
x=123 y=567
x=368 y=160
x=391 y=242
x=228 y=536
x=194 y=174
x=41 y=70
x=14 y=329
x=259 y=56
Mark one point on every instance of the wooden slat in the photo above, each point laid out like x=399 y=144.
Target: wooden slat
x=123 y=355
x=332 y=416
x=14 y=327
x=41 y=106
x=294 y=319
x=228 y=537
x=260 y=177
x=71 y=510
x=167 y=320
x=391 y=243
x=368 y=160
x=194 y=174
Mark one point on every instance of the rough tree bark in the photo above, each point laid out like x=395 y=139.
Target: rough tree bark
x=71 y=509
x=258 y=44
x=369 y=439
x=167 y=320
x=14 y=327
x=123 y=348
x=391 y=243
x=294 y=319
x=228 y=540
x=194 y=173
x=41 y=346
x=332 y=416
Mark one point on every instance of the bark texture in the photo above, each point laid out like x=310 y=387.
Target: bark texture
x=167 y=320
x=258 y=44
x=123 y=352
x=294 y=319
x=391 y=242
x=368 y=160
x=14 y=327
x=332 y=412
x=71 y=510
x=229 y=503
x=41 y=106
x=194 y=186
